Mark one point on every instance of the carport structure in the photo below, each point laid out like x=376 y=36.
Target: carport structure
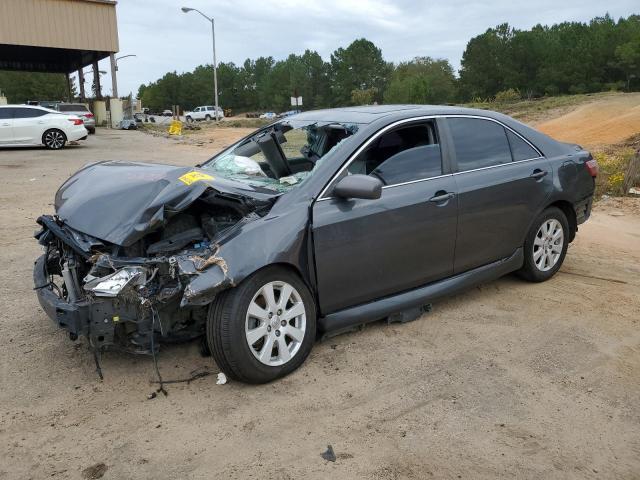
x=59 y=36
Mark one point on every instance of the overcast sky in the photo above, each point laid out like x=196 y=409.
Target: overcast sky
x=165 y=39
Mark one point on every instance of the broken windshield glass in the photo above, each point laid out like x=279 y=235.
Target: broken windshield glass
x=281 y=156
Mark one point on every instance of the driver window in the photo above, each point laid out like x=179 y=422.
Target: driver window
x=402 y=155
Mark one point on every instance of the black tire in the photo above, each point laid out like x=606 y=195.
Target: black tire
x=226 y=328
x=92 y=131
x=189 y=119
x=530 y=270
x=54 y=139
x=207 y=117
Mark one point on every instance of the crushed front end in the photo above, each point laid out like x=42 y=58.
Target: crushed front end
x=127 y=297
x=115 y=300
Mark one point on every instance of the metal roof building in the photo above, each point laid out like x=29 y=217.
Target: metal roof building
x=59 y=36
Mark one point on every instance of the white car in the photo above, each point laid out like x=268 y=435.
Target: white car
x=22 y=125
x=205 y=112
x=268 y=115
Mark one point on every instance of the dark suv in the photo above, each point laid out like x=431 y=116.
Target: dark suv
x=318 y=223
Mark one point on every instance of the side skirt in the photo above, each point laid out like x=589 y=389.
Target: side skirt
x=379 y=309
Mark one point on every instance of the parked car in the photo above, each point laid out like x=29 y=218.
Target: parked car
x=288 y=113
x=22 y=125
x=264 y=247
x=82 y=111
x=268 y=115
x=206 y=112
x=167 y=113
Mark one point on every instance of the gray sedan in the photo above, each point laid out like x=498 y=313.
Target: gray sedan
x=316 y=224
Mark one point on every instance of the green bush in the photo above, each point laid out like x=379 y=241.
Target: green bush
x=509 y=95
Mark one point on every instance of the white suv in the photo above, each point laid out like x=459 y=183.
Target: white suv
x=22 y=125
x=206 y=112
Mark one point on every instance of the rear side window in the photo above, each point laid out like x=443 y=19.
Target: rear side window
x=479 y=143
x=6 y=113
x=520 y=149
x=28 y=112
x=402 y=155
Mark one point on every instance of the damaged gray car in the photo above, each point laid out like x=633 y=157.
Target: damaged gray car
x=313 y=225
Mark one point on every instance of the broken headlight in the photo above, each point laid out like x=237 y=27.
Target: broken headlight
x=111 y=285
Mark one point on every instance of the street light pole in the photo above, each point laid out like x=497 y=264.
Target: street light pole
x=215 y=64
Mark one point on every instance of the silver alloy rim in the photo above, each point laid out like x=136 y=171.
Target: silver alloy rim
x=54 y=139
x=275 y=323
x=548 y=244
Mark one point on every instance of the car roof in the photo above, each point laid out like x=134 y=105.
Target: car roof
x=36 y=107
x=370 y=113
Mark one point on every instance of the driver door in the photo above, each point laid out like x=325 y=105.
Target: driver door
x=368 y=249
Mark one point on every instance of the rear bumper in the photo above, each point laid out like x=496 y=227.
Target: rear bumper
x=78 y=133
x=583 y=210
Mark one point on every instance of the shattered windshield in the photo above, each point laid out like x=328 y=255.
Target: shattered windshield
x=281 y=156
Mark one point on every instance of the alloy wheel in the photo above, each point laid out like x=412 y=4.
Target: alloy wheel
x=275 y=323
x=548 y=244
x=54 y=139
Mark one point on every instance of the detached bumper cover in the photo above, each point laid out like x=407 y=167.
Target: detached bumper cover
x=74 y=318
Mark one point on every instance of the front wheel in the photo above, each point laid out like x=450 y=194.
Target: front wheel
x=54 y=139
x=207 y=118
x=264 y=328
x=189 y=119
x=545 y=246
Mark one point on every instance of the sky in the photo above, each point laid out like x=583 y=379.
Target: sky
x=165 y=39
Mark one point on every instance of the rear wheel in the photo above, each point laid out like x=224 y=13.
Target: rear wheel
x=545 y=246
x=264 y=328
x=207 y=117
x=54 y=139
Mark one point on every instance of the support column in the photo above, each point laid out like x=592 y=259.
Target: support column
x=69 y=92
x=114 y=79
x=81 y=82
x=96 y=81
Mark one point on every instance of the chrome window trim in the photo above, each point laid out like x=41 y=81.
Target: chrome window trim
x=362 y=147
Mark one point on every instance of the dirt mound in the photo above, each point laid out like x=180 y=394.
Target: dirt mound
x=606 y=121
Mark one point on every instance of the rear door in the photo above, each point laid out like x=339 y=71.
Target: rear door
x=6 y=125
x=502 y=182
x=29 y=124
x=367 y=249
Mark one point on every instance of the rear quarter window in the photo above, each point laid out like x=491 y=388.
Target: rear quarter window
x=520 y=149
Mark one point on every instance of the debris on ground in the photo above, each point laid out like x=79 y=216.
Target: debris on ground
x=329 y=455
x=222 y=379
x=94 y=471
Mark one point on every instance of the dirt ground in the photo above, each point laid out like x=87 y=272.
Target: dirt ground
x=507 y=380
x=609 y=119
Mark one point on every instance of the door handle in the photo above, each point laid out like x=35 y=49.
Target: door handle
x=538 y=174
x=442 y=196
x=6 y=124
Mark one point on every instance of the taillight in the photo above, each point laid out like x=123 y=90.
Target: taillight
x=88 y=115
x=592 y=166
x=76 y=121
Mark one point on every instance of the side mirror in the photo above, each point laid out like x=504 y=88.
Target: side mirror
x=358 y=186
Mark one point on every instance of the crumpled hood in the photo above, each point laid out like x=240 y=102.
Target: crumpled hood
x=120 y=202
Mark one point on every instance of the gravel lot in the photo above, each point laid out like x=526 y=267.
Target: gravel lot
x=507 y=380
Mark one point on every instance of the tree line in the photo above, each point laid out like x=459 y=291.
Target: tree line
x=503 y=62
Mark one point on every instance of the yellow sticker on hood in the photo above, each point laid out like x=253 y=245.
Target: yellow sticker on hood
x=192 y=177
